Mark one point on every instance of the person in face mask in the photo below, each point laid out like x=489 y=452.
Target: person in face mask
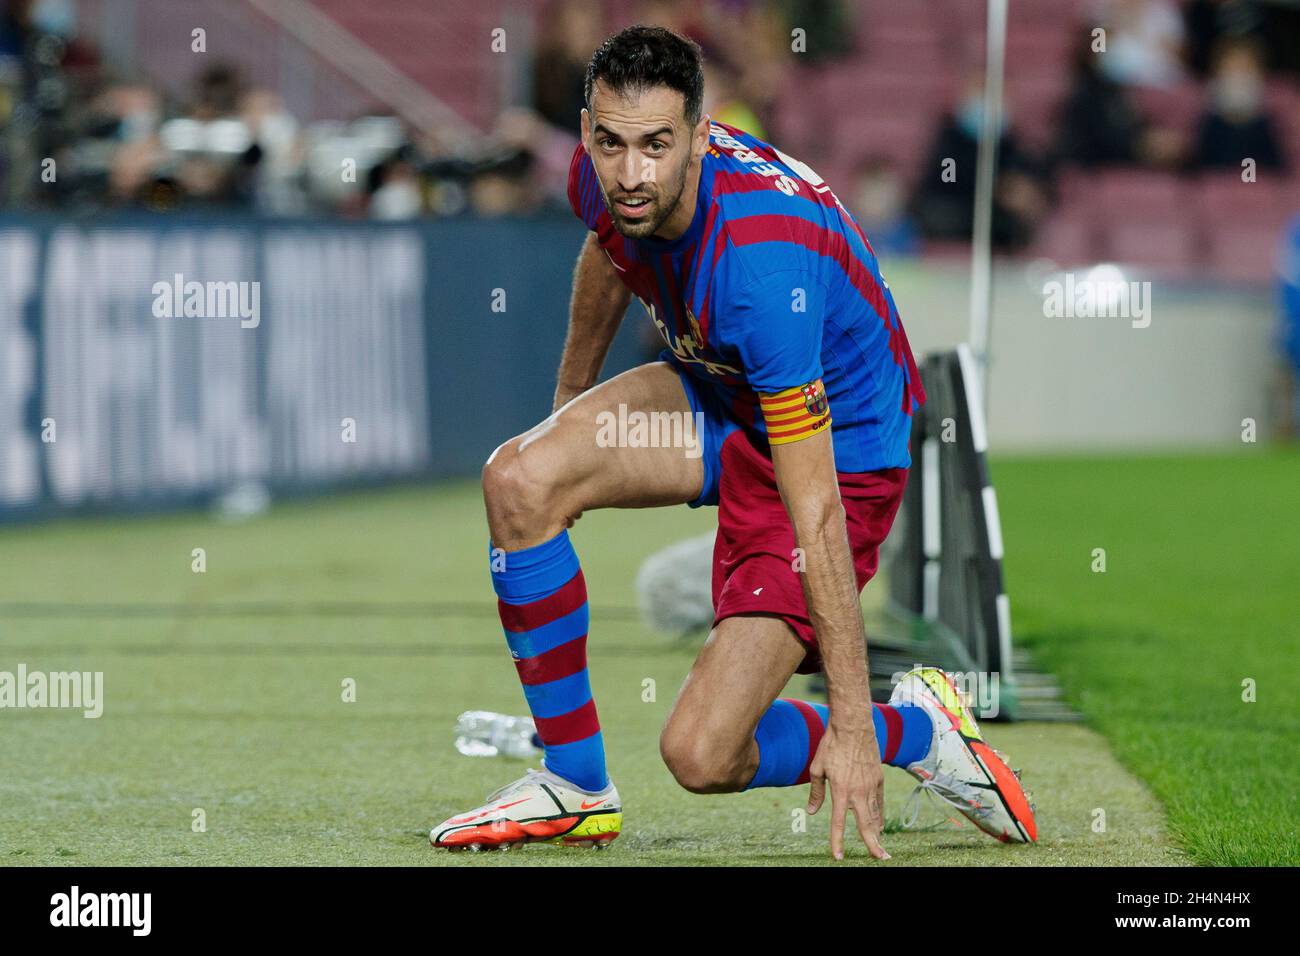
x=55 y=17
x=943 y=201
x=1236 y=125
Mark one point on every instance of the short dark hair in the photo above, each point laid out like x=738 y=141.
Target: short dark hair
x=639 y=58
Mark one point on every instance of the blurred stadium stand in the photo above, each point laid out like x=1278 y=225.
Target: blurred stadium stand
x=461 y=148
x=415 y=92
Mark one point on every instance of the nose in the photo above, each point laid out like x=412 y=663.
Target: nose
x=629 y=172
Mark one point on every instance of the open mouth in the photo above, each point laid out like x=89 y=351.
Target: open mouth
x=633 y=208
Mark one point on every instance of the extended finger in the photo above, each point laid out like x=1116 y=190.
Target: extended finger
x=867 y=814
x=839 y=809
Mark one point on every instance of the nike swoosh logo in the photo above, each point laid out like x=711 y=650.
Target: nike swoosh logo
x=588 y=806
x=956 y=723
x=612 y=262
x=475 y=816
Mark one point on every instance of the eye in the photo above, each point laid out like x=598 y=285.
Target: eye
x=656 y=147
x=608 y=143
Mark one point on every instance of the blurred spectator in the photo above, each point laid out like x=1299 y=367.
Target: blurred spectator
x=748 y=46
x=54 y=18
x=944 y=205
x=879 y=203
x=550 y=147
x=723 y=103
x=394 y=186
x=15 y=26
x=132 y=111
x=1283 y=33
x=277 y=140
x=212 y=157
x=1235 y=125
x=745 y=45
x=1100 y=124
x=126 y=143
x=216 y=94
x=828 y=25
x=1144 y=42
x=1209 y=22
x=205 y=180
x=128 y=115
x=569 y=34
x=505 y=187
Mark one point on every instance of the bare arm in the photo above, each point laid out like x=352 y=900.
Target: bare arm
x=599 y=300
x=809 y=485
x=849 y=756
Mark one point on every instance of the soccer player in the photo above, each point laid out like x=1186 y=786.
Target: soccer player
x=784 y=344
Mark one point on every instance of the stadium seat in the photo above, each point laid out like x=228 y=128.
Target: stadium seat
x=1242 y=222
x=458 y=65
x=850 y=86
x=1224 y=198
x=1129 y=193
x=1167 y=245
x=1244 y=252
x=1140 y=217
x=906 y=55
x=1068 y=239
x=901 y=140
x=1037 y=48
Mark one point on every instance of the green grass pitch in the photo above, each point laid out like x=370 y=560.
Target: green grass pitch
x=224 y=690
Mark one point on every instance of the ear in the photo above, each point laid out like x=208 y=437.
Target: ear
x=586 y=128
x=700 y=136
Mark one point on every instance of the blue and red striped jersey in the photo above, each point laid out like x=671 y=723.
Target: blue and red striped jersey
x=772 y=287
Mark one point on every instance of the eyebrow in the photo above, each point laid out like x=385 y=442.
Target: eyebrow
x=653 y=134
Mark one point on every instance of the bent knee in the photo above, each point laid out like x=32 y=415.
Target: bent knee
x=515 y=477
x=503 y=473
x=522 y=488
x=702 y=763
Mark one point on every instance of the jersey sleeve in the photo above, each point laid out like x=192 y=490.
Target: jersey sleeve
x=779 y=324
x=584 y=190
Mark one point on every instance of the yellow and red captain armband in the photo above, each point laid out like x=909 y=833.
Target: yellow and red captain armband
x=795 y=413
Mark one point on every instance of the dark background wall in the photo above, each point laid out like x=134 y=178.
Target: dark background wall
x=392 y=326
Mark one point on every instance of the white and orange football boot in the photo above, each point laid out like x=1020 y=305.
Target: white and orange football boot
x=539 y=807
x=961 y=769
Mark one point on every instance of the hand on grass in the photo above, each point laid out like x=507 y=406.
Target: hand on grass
x=850 y=761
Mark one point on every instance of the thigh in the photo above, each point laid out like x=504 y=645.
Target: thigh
x=744 y=665
x=630 y=442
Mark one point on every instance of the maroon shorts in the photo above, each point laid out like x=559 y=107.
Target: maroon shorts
x=754 y=556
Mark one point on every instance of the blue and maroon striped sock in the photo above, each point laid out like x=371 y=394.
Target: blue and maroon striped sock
x=542 y=599
x=789 y=732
